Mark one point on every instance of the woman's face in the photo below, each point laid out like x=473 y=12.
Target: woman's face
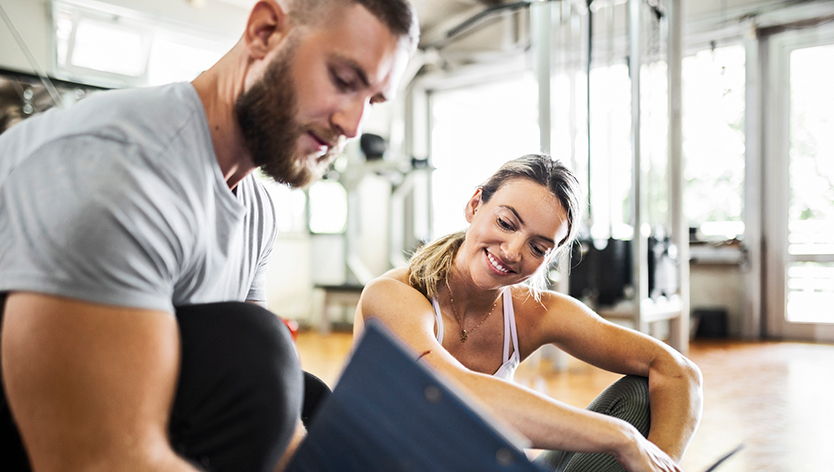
x=513 y=234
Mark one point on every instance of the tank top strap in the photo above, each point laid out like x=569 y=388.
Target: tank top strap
x=438 y=320
x=510 y=331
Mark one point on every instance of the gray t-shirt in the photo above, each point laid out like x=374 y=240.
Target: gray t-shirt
x=119 y=200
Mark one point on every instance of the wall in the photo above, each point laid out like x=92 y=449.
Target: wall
x=31 y=19
x=288 y=286
x=718 y=286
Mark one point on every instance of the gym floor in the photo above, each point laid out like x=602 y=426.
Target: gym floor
x=774 y=397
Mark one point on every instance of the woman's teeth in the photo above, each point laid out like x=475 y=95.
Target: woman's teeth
x=496 y=264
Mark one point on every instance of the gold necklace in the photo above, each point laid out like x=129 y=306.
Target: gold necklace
x=464 y=334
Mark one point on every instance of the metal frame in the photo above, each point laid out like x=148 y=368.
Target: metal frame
x=645 y=311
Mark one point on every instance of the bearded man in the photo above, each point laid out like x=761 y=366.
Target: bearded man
x=132 y=228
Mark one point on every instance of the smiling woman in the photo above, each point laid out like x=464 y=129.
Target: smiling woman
x=541 y=186
x=470 y=302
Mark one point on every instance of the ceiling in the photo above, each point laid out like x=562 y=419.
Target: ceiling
x=437 y=17
x=431 y=13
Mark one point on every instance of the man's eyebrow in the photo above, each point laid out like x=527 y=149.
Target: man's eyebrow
x=360 y=73
x=520 y=220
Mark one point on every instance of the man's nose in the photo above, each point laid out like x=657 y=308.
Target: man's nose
x=348 y=118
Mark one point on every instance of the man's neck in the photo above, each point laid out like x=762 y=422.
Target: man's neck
x=218 y=89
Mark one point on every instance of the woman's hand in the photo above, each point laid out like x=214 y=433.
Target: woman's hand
x=644 y=456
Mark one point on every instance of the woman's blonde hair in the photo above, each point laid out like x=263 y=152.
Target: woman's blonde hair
x=431 y=264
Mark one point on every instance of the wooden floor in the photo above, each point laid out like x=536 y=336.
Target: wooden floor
x=775 y=398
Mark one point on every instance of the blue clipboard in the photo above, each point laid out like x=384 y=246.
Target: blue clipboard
x=389 y=412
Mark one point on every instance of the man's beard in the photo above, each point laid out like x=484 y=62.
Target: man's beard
x=266 y=114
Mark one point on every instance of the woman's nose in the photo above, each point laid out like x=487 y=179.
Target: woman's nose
x=511 y=250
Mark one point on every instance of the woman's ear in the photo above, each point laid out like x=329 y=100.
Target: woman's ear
x=473 y=204
x=267 y=26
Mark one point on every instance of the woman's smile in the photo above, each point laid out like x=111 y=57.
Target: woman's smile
x=496 y=264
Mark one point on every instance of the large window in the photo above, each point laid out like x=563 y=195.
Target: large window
x=811 y=177
x=475 y=130
x=290 y=206
x=328 y=207
x=799 y=179
x=811 y=166
x=713 y=141
x=609 y=175
x=117 y=47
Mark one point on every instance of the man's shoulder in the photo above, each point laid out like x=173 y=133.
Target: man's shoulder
x=119 y=143
x=149 y=117
x=145 y=114
x=146 y=99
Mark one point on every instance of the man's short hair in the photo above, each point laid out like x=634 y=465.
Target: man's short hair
x=398 y=15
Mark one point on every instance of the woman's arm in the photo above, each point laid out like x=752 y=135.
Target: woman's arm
x=547 y=423
x=674 y=381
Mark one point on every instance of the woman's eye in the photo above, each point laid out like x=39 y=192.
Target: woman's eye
x=504 y=224
x=538 y=251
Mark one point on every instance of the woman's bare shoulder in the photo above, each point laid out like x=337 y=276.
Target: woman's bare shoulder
x=400 y=274
x=537 y=317
x=391 y=287
x=524 y=298
x=546 y=313
x=390 y=299
x=393 y=280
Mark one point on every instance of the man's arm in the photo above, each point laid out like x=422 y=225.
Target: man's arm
x=90 y=386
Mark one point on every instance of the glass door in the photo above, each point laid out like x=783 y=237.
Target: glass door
x=799 y=185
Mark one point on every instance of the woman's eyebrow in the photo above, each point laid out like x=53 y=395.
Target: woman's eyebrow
x=520 y=220
x=507 y=207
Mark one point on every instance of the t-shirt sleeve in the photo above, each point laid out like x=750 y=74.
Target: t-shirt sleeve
x=79 y=218
x=257 y=291
x=268 y=229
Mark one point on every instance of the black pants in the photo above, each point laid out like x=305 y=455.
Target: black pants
x=239 y=395
x=626 y=399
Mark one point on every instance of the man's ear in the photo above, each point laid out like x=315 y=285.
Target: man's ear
x=473 y=204
x=267 y=26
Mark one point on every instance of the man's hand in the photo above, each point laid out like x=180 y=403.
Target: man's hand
x=90 y=386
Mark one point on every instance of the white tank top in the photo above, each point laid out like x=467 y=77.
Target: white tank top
x=511 y=361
